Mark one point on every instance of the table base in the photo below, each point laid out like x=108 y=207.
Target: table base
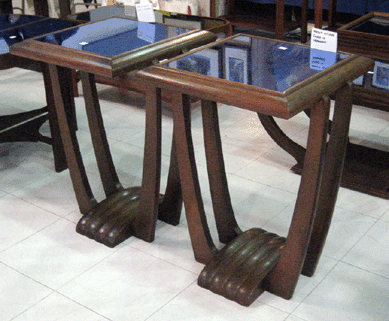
x=124 y=212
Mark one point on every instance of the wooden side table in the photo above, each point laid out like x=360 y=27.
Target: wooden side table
x=275 y=79
x=111 y=48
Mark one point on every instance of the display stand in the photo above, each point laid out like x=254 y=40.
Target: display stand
x=273 y=79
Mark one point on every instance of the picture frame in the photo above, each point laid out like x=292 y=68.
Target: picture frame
x=205 y=62
x=236 y=64
x=381 y=75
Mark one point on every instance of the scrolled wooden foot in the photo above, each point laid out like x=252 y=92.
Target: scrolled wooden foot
x=109 y=222
x=237 y=271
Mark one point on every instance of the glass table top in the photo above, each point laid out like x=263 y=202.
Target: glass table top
x=112 y=36
x=13 y=20
x=375 y=25
x=258 y=62
x=22 y=32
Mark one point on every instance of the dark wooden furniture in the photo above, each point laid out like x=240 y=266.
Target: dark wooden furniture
x=273 y=79
x=367 y=169
x=5 y=6
x=134 y=210
x=41 y=7
x=25 y=126
x=218 y=26
x=278 y=24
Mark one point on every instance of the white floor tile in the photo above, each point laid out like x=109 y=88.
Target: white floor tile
x=347 y=293
x=293 y=318
x=304 y=288
x=385 y=216
x=22 y=164
x=128 y=285
x=196 y=303
x=172 y=244
x=18 y=292
x=362 y=203
x=254 y=203
x=56 y=307
x=55 y=192
x=56 y=255
x=22 y=89
x=371 y=252
x=19 y=220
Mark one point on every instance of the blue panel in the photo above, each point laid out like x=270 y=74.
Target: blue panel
x=22 y=32
x=258 y=62
x=13 y=20
x=112 y=36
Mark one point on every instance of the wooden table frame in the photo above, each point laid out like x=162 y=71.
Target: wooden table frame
x=273 y=263
x=124 y=212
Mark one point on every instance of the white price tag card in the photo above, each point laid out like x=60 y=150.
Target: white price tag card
x=321 y=60
x=145 y=12
x=324 y=40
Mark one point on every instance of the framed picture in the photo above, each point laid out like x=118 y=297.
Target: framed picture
x=381 y=75
x=205 y=62
x=236 y=64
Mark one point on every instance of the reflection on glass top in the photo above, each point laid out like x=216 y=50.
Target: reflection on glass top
x=13 y=20
x=112 y=36
x=258 y=62
x=17 y=34
x=375 y=25
x=103 y=12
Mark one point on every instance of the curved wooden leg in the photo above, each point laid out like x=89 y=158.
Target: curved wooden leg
x=104 y=160
x=332 y=175
x=170 y=209
x=283 y=279
x=84 y=195
x=145 y=222
x=224 y=214
x=68 y=100
x=276 y=133
x=202 y=243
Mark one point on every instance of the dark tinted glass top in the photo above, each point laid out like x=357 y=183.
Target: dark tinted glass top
x=13 y=20
x=22 y=32
x=259 y=62
x=376 y=25
x=112 y=36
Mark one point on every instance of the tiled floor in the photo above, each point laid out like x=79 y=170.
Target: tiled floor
x=49 y=272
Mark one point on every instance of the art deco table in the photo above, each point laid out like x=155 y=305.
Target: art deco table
x=111 y=48
x=275 y=79
x=220 y=27
x=25 y=126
